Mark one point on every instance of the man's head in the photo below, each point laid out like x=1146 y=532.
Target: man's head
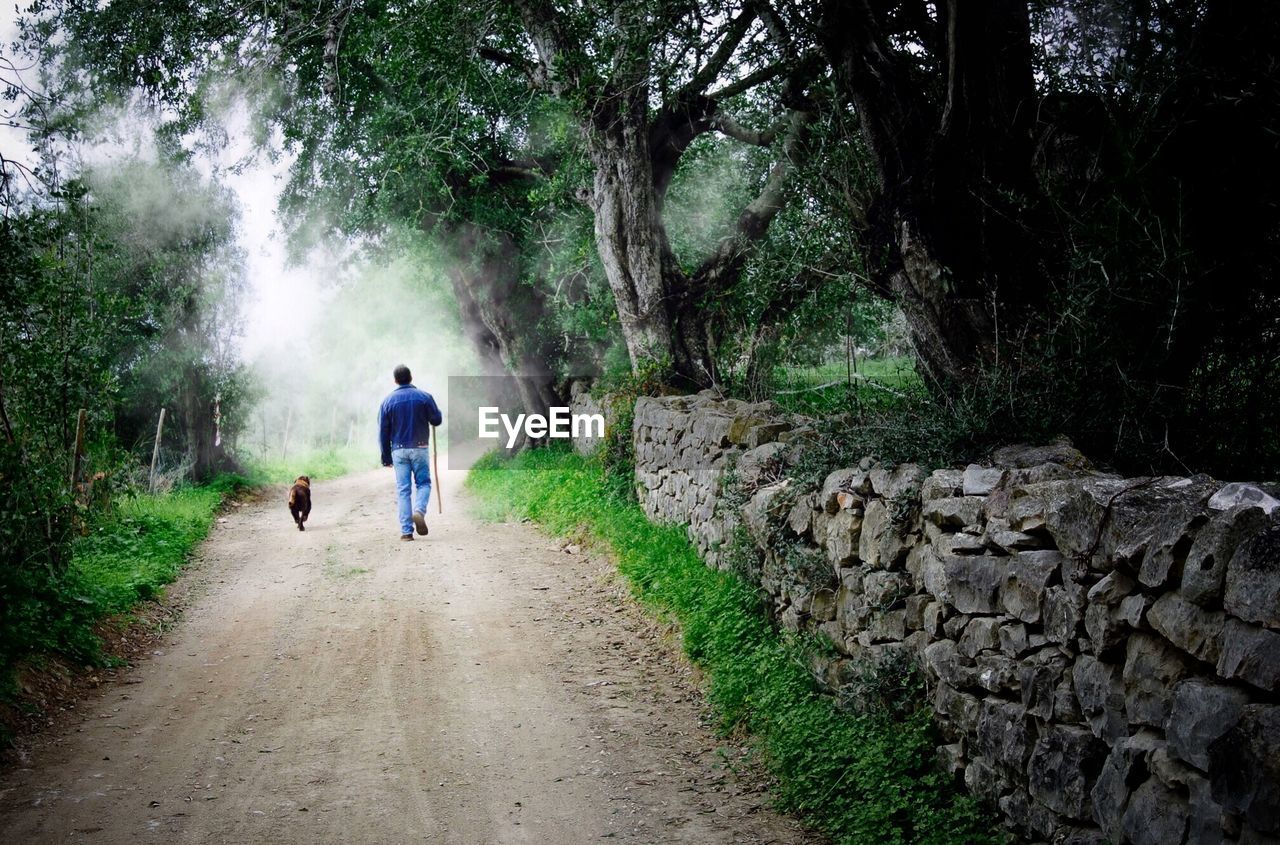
x=402 y=374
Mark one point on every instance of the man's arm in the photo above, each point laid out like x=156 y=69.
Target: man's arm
x=384 y=434
x=433 y=412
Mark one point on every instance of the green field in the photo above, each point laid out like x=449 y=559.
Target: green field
x=835 y=387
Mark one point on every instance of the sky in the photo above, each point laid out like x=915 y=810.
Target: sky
x=282 y=301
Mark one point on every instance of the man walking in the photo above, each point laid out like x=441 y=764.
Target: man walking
x=404 y=433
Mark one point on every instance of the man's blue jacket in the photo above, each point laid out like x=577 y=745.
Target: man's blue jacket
x=405 y=420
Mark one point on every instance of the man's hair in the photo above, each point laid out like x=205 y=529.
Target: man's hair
x=402 y=374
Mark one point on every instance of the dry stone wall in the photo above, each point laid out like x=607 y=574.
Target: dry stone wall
x=1103 y=653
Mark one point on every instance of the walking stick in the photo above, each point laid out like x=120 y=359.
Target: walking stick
x=435 y=469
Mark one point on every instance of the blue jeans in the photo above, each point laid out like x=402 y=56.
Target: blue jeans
x=412 y=467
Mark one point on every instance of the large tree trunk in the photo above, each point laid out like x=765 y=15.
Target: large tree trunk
x=950 y=232
x=502 y=316
x=656 y=320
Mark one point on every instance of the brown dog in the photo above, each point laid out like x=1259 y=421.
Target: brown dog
x=300 y=500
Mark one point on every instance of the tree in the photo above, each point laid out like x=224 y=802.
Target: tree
x=1003 y=135
x=645 y=80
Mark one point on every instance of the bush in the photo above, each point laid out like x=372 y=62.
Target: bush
x=126 y=556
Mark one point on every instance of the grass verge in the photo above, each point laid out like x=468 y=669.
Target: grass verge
x=127 y=556
x=318 y=464
x=861 y=777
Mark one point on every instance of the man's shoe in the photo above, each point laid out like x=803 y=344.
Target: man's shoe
x=420 y=522
x=408 y=537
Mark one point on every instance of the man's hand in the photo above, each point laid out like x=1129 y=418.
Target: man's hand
x=388 y=466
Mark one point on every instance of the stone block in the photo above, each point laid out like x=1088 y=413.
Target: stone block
x=1155 y=815
x=1028 y=816
x=800 y=517
x=1064 y=763
x=1100 y=691
x=1013 y=639
x=1005 y=736
x=1197 y=632
x=941 y=484
x=1108 y=520
x=1205 y=568
x=1133 y=610
x=1124 y=768
x=981 y=481
x=953 y=513
x=761 y=465
x=1151 y=668
x=1014 y=541
x=1244 y=768
x=1038 y=678
x=982 y=633
x=997 y=673
x=1236 y=493
x=957 y=709
x=1111 y=588
x=1062 y=614
x=915 y=607
x=1027 y=576
x=953 y=627
x=935 y=613
x=1066 y=707
x=1253 y=577
x=983 y=781
x=951 y=758
x=973 y=582
x=822 y=607
x=766 y=509
x=885 y=589
x=1201 y=712
x=1163 y=561
x=1251 y=654
x=1107 y=630
x=887 y=626
x=1023 y=456
x=898 y=481
x=944 y=661
x=843 y=531
x=842 y=479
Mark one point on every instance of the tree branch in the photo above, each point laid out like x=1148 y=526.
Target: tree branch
x=534 y=73
x=723 y=266
x=725 y=124
x=708 y=73
x=750 y=81
x=543 y=24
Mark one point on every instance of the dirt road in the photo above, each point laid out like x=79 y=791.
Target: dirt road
x=338 y=685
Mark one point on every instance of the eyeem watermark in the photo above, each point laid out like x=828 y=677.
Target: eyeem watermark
x=562 y=424
x=485 y=414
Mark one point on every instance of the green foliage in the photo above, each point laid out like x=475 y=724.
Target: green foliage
x=131 y=553
x=127 y=555
x=862 y=776
x=618 y=454
x=318 y=464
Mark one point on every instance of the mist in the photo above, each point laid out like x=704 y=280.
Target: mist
x=323 y=388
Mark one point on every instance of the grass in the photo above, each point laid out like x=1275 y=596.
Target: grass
x=131 y=554
x=317 y=463
x=827 y=388
x=865 y=776
x=128 y=555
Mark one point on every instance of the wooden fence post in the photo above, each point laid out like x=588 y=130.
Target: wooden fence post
x=77 y=451
x=155 y=454
x=284 y=446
